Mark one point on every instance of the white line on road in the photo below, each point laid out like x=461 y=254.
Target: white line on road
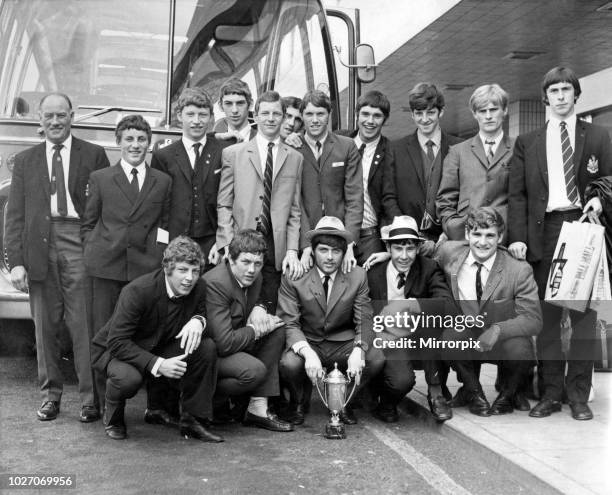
x=435 y=476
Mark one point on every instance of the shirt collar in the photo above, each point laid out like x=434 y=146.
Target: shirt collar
x=262 y=141
x=188 y=143
x=169 y=291
x=368 y=146
x=570 y=121
x=470 y=260
x=313 y=142
x=332 y=276
x=67 y=144
x=436 y=138
x=127 y=168
x=497 y=139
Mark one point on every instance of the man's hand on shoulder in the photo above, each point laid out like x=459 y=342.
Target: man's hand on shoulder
x=349 y=262
x=306 y=258
x=294 y=139
x=518 y=250
x=19 y=278
x=292 y=267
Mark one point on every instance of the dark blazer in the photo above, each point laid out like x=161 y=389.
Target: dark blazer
x=138 y=324
x=528 y=187
x=335 y=189
x=228 y=309
x=174 y=161
x=308 y=316
x=405 y=191
x=28 y=213
x=120 y=232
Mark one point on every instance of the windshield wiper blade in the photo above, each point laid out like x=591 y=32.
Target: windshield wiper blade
x=100 y=110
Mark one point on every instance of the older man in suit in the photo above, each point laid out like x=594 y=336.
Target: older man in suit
x=475 y=172
x=260 y=189
x=194 y=163
x=416 y=165
x=44 y=249
x=328 y=318
x=332 y=180
x=500 y=294
x=157 y=334
x=551 y=169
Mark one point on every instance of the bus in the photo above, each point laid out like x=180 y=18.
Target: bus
x=114 y=57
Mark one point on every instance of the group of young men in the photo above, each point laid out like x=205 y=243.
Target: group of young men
x=264 y=234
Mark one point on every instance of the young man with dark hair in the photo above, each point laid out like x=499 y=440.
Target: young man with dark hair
x=328 y=320
x=248 y=352
x=550 y=171
x=194 y=163
x=292 y=122
x=500 y=293
x=157 y=334
x=235 y=100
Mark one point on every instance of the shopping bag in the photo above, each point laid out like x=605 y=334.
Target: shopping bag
x=574 y=265
x=601 y=297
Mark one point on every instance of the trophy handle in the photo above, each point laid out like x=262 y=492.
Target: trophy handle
x=352 y=391
x=319 y=390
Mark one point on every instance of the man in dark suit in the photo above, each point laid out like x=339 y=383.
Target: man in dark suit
x=157 y=331
x=194 y=163
x=408 y=283
x=475 y=172
x=328 y=318
x=551 y=169
x=500 y=294
x=332 y=180
x=235 y=100
x=248 y=351
x=124 y=221
x=416 y=165
x=43 y=245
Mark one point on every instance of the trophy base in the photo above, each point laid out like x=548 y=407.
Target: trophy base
x=335 y=431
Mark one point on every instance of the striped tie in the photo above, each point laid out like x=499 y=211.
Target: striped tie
x=265 y=226
x=568 y=165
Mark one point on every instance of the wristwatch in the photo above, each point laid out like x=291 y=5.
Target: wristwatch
x=201 y=319
x=362 y=345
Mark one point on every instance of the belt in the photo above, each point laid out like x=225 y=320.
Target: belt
x=368 y=231
x=566 y=213
x=66 y=220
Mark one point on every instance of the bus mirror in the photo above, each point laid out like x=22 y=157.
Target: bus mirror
x=364 y=60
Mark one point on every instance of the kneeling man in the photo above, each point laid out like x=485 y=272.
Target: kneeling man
x=249 y=340
x=156 y=333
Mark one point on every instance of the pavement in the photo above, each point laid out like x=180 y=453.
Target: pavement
x=573 y=457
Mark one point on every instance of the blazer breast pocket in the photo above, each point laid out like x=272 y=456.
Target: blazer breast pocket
x=337 y=164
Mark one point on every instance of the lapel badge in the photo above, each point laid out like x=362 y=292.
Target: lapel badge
x=87 y=190
x=593 y=165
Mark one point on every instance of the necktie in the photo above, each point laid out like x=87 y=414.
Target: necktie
x=265 y=225
x=57 y=181
x=134 y=183
x=401 y=280
x=361 y=150
x=490 y=153
x=430 y=154
x=478 y=281
x=568 y=164
x=196 y=150
x=318 y=145
x=326 y=285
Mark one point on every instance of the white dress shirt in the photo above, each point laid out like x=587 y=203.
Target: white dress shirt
x=369 y=215
x=557 y=191
x=262 y=147
x=142 y=171
x=466 y=277
x=496 y=140
x=436 y=138
x=65 y=154
x=188 y=144
x=312 y=143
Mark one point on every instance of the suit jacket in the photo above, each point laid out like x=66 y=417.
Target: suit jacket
x=28 y=213
x=174 y=161
x=509 y=298
x=468 y=181
x=240 y=199
x=228 y=308
x=335 y=188
x=528 y=188
x=404 y=172
x=120 y=232
x=138 y=324
x=308 y=316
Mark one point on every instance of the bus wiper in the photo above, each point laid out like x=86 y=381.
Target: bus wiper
x=100 y=110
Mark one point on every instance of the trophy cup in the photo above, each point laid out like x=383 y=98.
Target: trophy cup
x=335 y=399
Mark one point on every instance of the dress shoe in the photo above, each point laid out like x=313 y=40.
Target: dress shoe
x=347 y=416
x=446 y=393
x=520 y=402
x=269 y=422
x=49 y=410
x=478 y=404
x=545 y=408
x=113 y=419
x=89 y=414
x=461 y=398
x=294 y=414
x=190 y=427
x=501 y=405
x=159 y=417
x=581 y=411
x=386 y=412
x=439 y=408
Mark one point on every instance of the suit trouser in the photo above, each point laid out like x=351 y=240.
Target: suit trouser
x=197 y=385
x=57 y=299
x=206 y=243
x=254 y=370
x=292 y=365
x=369 y=243
x=271 y=277
x=583 y=343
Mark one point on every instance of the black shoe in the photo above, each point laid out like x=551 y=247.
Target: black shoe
x=347 y=416
x=190 y=427
x=113 y=419
x=446 y=393
x=269 y=422
x=460 y=399
x=159 y=417
x=439 y=408
x=501 y=405
x=581 y=411
x=478 y=404
x=89 y=414
x=387 y=413
x=294 y=414
x=545 y=408
x=520 y=402
x=49 y=410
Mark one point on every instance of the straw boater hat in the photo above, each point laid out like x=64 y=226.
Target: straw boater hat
x=402 y=227
x=329 y=226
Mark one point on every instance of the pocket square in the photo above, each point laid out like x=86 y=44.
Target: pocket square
x=338 y=164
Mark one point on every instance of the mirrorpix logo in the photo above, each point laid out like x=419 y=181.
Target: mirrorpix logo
x=556 y=272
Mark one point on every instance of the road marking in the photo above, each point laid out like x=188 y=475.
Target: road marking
x=435 y=476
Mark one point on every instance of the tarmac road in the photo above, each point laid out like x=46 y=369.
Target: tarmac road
x=411 y=457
